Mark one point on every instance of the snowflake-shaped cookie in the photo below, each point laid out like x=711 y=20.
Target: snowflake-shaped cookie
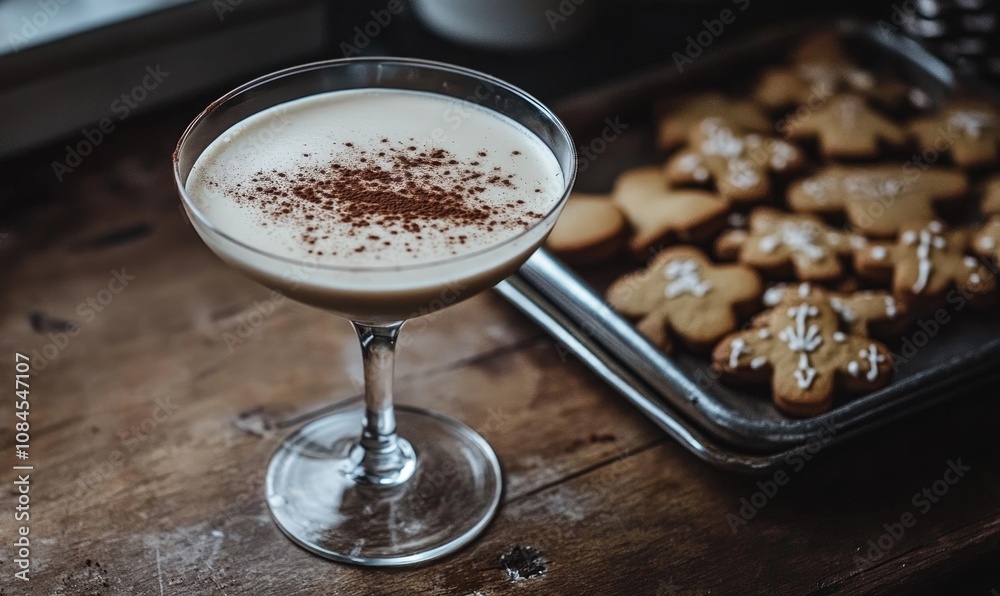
x=685 y=295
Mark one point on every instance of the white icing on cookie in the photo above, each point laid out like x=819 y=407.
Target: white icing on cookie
x=800 y=237
x=741 y=174
x=890 y=307
x=970 y=262
x=873 y=357
x=852 y=367
x=684 y=278
x=970 y=123
x=839 y=337
x=879 y=253
x=803 y=339
x=758 y=362
x=720 y=139
x=929 y=240
x=737 y=348
x=764 y=333
x=987 y=243
x=773 y=295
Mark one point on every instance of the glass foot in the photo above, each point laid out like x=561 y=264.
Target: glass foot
x=450 y=498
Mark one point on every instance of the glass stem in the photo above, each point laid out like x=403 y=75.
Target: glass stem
x=381 y=458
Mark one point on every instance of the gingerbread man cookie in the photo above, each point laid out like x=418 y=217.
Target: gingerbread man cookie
x=739 y=165
x=678 y=116
x=784 y=245
x=846 y=128
x=967 y=129
x=659 y=214
x=801 y=349
x=867 y=313
x=877 y=200
x=986 y=242
x=683 y=294
x=926 y=263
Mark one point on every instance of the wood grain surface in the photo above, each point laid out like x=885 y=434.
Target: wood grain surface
x=151 y=429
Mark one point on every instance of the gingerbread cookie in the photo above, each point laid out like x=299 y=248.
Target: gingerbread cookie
x=967 y=129
x=739 y=165
x=590 y=229
x=846 y=128
x=683 y=294
x=801 y=349
x=784 y=245
x=986 y=242
x=677 y=117
x=659 y=214
x=877 y=199
x=926 y=263
x=805 y=83
x=868 y=313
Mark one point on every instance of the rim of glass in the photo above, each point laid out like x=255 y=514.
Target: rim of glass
x=427 y=64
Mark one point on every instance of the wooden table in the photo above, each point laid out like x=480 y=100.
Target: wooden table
x=149 y=434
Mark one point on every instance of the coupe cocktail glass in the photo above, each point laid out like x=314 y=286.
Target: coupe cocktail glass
x=346 y=486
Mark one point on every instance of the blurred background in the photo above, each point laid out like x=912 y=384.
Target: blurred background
x=88 y=69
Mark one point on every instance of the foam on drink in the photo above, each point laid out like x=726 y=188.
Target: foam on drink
x=392 y=186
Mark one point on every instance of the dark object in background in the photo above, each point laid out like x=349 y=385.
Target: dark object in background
x=962 y=31
x=81 y=68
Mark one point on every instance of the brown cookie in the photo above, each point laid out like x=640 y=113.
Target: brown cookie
x=590 y=229
x=927 y=262
x=868 y=313
x=660 y=214
x=846 y=128
x=986 y=241
x=788 y=246
x=683 y=294
x=822 y=47
x=677 y=116
x=966 y=129
x=800 y=348
x=991 y=196
x=809 y=83
x=877 y=200
x=739 y=165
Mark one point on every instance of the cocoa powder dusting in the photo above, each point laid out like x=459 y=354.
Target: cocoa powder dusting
x=405 y=190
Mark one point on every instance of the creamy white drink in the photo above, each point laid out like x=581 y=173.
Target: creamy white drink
x=376 y=204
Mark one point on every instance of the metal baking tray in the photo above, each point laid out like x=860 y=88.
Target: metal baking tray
x=736 y=428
